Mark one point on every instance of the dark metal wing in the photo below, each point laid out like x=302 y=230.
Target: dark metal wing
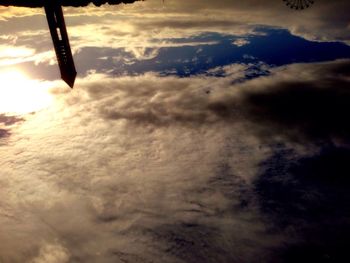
x=60 y=41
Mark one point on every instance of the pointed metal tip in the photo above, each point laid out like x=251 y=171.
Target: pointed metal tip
x=69 y=78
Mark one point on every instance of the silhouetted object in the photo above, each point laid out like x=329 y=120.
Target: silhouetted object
x=60 y=41
x=57 y=26
x=299 y=4
x=75 y=3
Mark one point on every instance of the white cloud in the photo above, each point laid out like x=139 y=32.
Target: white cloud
x=52 y=253
x=240 y=42
x=117 y=162
x=11 y=55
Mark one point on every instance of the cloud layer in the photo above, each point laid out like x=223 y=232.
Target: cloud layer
x=163 y=169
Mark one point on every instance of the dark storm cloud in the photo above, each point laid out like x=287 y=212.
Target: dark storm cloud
x=302 y=109
x=310 y=108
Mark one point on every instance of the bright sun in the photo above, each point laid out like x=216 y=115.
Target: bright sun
x=21 y=95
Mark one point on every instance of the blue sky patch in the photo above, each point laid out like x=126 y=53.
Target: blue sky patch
x=273 y=47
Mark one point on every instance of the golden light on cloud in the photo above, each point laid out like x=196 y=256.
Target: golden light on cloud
x=13 y=52
x=13 y=55
x=20 y=94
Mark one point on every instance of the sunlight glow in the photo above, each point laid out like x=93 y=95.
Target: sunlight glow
x=14 y=52
x=21 y=95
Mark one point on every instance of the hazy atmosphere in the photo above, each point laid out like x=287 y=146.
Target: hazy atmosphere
x=197 y=131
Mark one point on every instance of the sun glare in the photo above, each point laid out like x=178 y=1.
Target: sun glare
x=21 y=95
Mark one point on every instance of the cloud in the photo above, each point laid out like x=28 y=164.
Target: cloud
x=298 y=109
x=6 y=123
x=52 y=253
x=12 y=55
x=309 y=108
x=110 y=176
x=4 y=133
x=324 y=21
x=240 y=42
x=9 y=120
x=143 y=21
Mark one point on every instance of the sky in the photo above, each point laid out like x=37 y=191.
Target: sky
x=197 y=131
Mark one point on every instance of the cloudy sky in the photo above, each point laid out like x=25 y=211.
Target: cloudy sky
x=197 y=131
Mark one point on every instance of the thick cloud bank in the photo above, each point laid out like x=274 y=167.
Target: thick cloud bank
x=164 y=169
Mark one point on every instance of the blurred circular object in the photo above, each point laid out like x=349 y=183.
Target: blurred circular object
x=299 y=4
